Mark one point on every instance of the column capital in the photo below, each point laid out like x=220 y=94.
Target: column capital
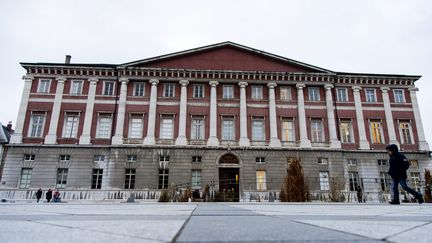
x=61 y=79
x=28 y=78
x=328 y=86
x=413 y=89
x=356 y=88
x=384 y=89
x=272 y=85
x=93 y=80
x=300 y=86
x=183 y=82
x=154 y=81
x=124 y=80
x=214 y=83
x=242 y=84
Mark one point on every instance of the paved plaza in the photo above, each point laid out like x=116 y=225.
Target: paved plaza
x=213 y=222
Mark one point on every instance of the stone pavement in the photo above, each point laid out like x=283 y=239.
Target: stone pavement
x=214 y=222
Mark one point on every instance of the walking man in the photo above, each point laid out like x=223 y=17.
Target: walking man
x=398 y=166
x=38 y=194
x=49 y=195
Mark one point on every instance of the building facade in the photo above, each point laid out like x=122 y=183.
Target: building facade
x=224 y=115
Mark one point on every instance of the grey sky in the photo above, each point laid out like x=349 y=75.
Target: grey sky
x=372 y=36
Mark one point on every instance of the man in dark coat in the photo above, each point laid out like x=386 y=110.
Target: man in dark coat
x=398 y=166
x=49 y=195
x=38 y=194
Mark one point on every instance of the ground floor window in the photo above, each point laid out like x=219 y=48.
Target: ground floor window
x=354 y=180
x=385 y=181
x=324 y=181
x=61 y=178
x=163 y=179
x=415 y=179
x=97 y=179
x=26 y=174
x=129 y=179
x=261 y=180
x=196 y=178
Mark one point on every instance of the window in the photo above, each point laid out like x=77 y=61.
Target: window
x=97 y=179
x=163 y=161
x=352 y=162
x=136 y=126
x=323 y=161
x=261 y=180
x=108 y=88
x=26 y=174
x=196 y=178
x=64 y=158
x=285 y=93
x=168 y=90
x=382 y=162
x=370 y=95
x=197 y=130
x=317 y=130
x=228 y=128
x=44 y=86
x=405 y=132
x=132 y=158
x=346 y=131
x=198 y=91
x=260 y=159
x=196 y=159
x=257 y=92
x=138 y=89
x=228 y=92
x=70 y=128
x=324 y=181
x=313 y=94
x=399 y=96
x=29 y=157
x=166 y=127
x=288 y=130
x=258 y=133
x=163 y=178
x=415 y=179
x=413 y=163
x=99 y=158
x=76 y=87
x=61 y=178
x=385 y=181
x=37 y=125
x=376 y=131
x=342 y=94
x=104 y=126
x=353 y=180
x=129 y=179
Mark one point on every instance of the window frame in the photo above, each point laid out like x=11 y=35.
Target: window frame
x=324 y=180
x=61 y=178
x=162 y=131
x=129 y=179
x=315 y=95
x=314 y=130
x=403 y=100
x=343 y=98
x=232 y=131
x=228 y=92
x=257 y=92
x=40 y=125
x=368 y=98
x=24 y=183
x=354 y=180
x=261 y=180
x=73 y=133
x=98 y=127
x=163 y=178
x=46 y=88
x=410 y=132
x=138 y=89
x=196 y=178
x=97 y=176
x=131 y=131
x=197 y=133
x=256 y=136
x=198 y=91
x=167 y=92
x=72 y=90
x=344 y=139
x=287 y=96
x=373 y=131
x=104 y=88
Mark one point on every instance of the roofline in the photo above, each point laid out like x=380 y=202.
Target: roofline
x=380 y=75
x=64 y=65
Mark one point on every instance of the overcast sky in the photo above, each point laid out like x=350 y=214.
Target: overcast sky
x=371 y=36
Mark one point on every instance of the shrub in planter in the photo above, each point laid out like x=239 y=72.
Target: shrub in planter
x=164 y=197
x=428 y=186
x=294 y=187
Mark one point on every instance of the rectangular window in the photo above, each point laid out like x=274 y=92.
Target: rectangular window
x=64 y=158
x=99 y=158
x=196 y=178
x=70 y=128
x=76 y=87
x=370 y=95
x=228 y=92
x=228 y=128
x=108 y=88
x=29 y=157
x=138 y=89
x=405 y=132
x=37 y=125
x=257 y=92
x=382 y=162
x=168 y=90
x=285 y=93
x=385 y=181
x=313 y=94
x=346 y=131
x=260 y=159
x=317 y=130
x=415 y=179
x=163 y=178
x=166 y=127
x=44 y=86
x=97 y=179
x=376 y=131
x=198 y=91
x=288 y=132
x=352 y=162
x=413 y=163
x=261 y=180
x=197 y=129
x=324 y=181
x=196 y=159
x=129 y=179
x=131 y=158
x=104 y=126
x=61 y=178
x=26 y=174
x=399 y=96
x=258 y=133
x=323 y=161
x=353 y=180
x=342 y=94
x=136 y=126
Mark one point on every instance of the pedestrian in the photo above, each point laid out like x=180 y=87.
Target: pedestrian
x=56 y=196
x=359 y=194
x=398 y=166
x=48 y=195
x=38 y=194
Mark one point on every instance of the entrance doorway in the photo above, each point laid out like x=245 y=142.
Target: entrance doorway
x=229 y=179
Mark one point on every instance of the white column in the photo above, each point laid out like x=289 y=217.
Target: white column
x=121 y=112
x=422 y=143
x=244 y=140
x=150 y=138
x=274 y=140
x=363 y=142
x=213 y=140
x=181 y=139
x=304 y=141
x=51 y=137
x=389 y=116
x=334 y=142
x=85 y=137
x=19 y=125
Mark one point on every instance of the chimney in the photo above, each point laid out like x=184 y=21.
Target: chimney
x=68 y=59
x=9 y=126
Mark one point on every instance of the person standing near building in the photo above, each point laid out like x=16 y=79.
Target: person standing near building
x=38 y=195
x=48 y=195
x=359 y=194
x=398 y=166
x=56 y=196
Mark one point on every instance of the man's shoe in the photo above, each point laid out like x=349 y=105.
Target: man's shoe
x=394 y=202
x=420 y=199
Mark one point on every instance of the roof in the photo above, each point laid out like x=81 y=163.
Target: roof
x=4 y=134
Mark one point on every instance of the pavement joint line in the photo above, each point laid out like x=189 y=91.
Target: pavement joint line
x=177 y=235
x=407 y=230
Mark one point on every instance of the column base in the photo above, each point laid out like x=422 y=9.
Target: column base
x=181 y=141
x=423 y=146
x=16 y=138
x=213 y=141
x=336 y=144
x=305 y=143
x=117 y=140
x=364 y=144
x=275 y=142
x=244 y=142
x=149 y=141
x=50 y=139
x=85 y=139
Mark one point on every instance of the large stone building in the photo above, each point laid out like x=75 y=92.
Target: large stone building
x=223 y=115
